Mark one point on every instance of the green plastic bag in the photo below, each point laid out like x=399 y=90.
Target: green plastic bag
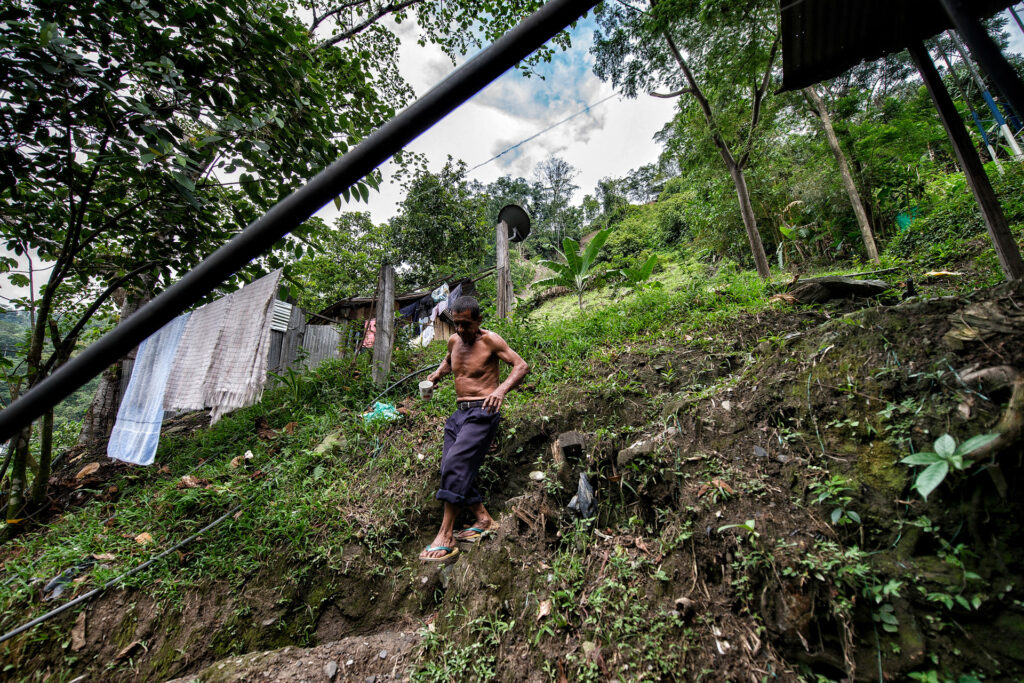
x=381 y=412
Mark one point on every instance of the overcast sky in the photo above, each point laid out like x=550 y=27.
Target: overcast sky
x=609 y=140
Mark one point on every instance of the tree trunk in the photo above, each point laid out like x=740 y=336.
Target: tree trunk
x=102 y=413
x=749 y=222
x=19 y=474
x=735 y=166
x=42 y=479
x=844 y=172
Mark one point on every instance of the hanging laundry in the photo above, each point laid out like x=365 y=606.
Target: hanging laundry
x=440 y=293
x=136 y=433
x=410 y=310
x=439 y=309
x=221 y=361
x=424 y=339
x=425 y=304
x=455 y=294
x=369 y=333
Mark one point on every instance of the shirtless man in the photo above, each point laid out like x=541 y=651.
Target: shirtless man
x=473 y=356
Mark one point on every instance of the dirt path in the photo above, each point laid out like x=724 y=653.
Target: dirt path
x=378 y=658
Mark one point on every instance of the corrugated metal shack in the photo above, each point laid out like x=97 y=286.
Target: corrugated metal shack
x=351 y=314
x=296 y=344
x=293 y=344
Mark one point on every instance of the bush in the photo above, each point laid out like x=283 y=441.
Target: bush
x=950 y=217
x=634 y=236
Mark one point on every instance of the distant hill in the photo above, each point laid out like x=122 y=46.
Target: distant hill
x=14 y=326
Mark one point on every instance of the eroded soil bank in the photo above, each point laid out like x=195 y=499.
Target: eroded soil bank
x=754 y=521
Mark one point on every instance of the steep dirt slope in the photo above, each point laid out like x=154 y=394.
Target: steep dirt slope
x=753 y=521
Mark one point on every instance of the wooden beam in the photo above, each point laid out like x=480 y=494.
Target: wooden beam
x=385 y=336
x=504 y=273
x=977 y=179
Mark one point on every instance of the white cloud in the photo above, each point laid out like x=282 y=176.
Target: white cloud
x=609 y=140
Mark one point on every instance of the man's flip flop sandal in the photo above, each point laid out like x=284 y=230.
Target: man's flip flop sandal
x=477 y=533
x=449 y=555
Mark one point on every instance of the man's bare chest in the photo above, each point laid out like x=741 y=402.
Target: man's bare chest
x=471 y=363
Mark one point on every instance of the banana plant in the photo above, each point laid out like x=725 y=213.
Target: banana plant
x=575 y=272
x=638 y=277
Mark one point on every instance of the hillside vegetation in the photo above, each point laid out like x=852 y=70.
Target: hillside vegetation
x=724 y=431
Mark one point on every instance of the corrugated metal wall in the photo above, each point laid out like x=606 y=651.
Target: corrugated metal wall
x=320 y=342
x=293 y=344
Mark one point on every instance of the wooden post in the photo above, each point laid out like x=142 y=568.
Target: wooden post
x=504 y=273
x=985 y=50
x=385 y=337
x=977 y=180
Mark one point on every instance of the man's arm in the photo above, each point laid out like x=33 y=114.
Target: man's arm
x=519 y=370
x=444 y=369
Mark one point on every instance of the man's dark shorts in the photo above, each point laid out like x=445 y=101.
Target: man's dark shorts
x=467 y=436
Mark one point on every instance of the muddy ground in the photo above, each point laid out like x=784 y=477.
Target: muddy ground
x=712 y=555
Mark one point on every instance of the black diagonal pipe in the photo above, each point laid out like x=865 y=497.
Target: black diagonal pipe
x=289 y=213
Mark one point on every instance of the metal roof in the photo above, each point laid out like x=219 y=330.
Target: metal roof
x=823 y=38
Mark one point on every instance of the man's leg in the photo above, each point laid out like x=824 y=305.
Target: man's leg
x=483 y=520
x=445 y=535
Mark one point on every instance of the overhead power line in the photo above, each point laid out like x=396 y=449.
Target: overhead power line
x=538 y=134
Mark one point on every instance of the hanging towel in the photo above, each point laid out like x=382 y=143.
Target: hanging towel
x=199 y=342
x=136 y=432
x=222 y=359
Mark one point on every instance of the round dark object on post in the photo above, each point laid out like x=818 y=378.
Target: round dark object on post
x=517 y=220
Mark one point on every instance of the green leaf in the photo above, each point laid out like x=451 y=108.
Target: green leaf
x=945 y=445
x=922 y=458
x=594 y=246
x=183 y=180
x=549 y=282
x=572 y=256
x=648 y=267
x=853 y=515
x=930 y=477
x=836 y=514
x=337 y=203
x=976 y=442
